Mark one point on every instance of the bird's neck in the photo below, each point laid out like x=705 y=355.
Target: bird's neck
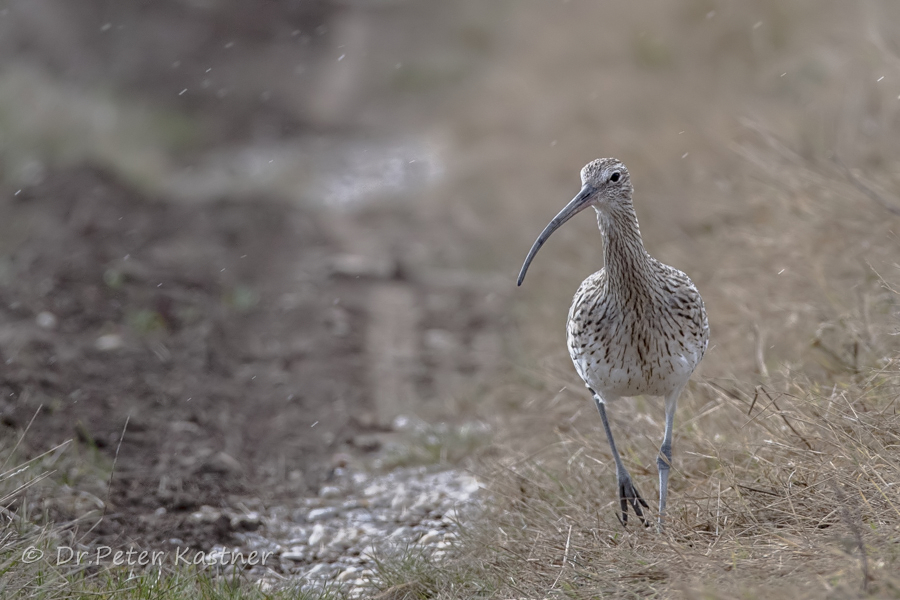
x=627 y=263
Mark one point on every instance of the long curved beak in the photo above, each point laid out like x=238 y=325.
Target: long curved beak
x=578 y=203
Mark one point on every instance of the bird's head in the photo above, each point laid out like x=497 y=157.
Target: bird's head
x=605 y=184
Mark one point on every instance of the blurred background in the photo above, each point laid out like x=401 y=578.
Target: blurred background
x=254 y=233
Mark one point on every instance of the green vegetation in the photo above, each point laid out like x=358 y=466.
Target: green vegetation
x=39 y=550
x=29 y=569
x=440 y=444
x=48 y=123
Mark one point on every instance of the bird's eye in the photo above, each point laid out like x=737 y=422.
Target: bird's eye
x=614 y=177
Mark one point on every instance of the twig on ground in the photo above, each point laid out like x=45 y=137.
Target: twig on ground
x=785 y=419
x=564 y=560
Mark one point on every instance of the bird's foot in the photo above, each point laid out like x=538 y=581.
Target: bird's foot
x=629 y=495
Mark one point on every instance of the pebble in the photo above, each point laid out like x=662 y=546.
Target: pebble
x=361 y=265
x=46 y=320
x=321 y=514
x=451 y=517
x=223 y=463
x=319 y=568
x=375 y=489
x=345 y=538
x=401 y=498
x=369 y=552
x=432 y=537
x=330 y=491
x=297 y=553
x=109 y=341
x=317 y=535
x=206 y=514
x=249 y=521
x=425 y=503
x=335 y=536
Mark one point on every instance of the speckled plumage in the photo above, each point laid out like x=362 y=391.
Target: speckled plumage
x=637 y=335
x=636 y=326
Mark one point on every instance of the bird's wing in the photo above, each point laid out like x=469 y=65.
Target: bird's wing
x=688 y=308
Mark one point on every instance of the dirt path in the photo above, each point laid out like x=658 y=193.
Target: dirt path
x=252 y=344
x=215 y=331
x=243 y=342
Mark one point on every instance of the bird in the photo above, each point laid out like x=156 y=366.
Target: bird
x=636 y=326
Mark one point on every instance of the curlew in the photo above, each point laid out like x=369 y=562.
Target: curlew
x=636 y=326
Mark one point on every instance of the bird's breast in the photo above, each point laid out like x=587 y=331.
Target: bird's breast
x=627 y=348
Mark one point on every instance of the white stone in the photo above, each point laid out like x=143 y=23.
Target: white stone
x=318 y=568
x=375 y=489
x=330 y=491
x=426 y=502
x=320 y=514
x=46 y=320
x=369 y=552
x=297 y=553
x=451 y=517
x=109 y=341
x=469 y=484
x=401 y=499
x=317 y=535
x=401 y=531
x=431 y=537
x=345 y=538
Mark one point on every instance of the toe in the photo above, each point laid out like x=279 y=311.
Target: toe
x=623 y=502
x=629 y=495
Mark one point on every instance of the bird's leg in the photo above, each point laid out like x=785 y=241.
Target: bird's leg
x=627 y=492
x=664 y=460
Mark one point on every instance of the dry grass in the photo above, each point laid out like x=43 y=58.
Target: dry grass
x=782 y=490
x=789 y=489
x=787 y=446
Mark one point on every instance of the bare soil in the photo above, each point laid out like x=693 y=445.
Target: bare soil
x=222 y=352
x=230 y=353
